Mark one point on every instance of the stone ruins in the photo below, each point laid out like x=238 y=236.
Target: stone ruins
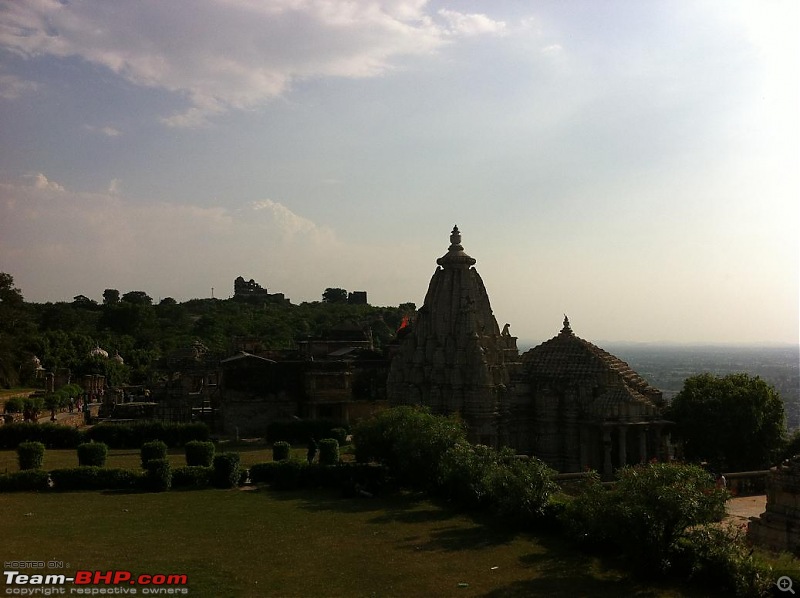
x=778 y=528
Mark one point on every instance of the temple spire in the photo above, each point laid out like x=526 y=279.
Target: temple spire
x=455 y=256
x=567 y=329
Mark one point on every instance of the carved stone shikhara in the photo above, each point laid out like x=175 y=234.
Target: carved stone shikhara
x=454 y=359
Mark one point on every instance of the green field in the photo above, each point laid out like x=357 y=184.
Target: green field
x=262 y=543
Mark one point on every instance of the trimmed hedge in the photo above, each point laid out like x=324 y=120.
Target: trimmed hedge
x=280 y=450
x=30 y=480
x=299 y=431
x=30 y=455
x=53 y=436
x=158 y=475
x=135 y=434
x=226 y=470
x=154 y=450
x=340 y=434
x=92 y=454
x=95 y=478
x=192 y=476
x=199 y=453
x=114 y=435
x=328 y=451
x=293 y=474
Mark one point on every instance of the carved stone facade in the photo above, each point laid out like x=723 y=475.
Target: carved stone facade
x=566 y=401
x=778 y=528
x=577 y=407
x=454 y=357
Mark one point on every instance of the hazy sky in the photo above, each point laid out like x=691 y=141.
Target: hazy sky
x=632 y=164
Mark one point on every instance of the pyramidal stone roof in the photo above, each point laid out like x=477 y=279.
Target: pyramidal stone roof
x=569 y=357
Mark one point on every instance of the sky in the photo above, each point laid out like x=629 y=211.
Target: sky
x=633 y=165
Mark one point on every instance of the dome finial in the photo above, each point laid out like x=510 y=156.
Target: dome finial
x=567 y=327
x=455 y=256
x=455 y=236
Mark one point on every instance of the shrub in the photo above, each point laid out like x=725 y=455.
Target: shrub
x=263 y=472
x=647 y=511
x=158 y=475
x=280 y=450
x=51 y=435
x=15 y=405
x=226 y=470
x=199 y=453
x=410 y=441
x=720 y=559
x=94 y=478
x=478 y=476
x=340 y=434
x=328 y=451
x=92 y=454
x=288 y=475
x=151 y=451
x=191 y=476
x=29 y=480
x=30 y=455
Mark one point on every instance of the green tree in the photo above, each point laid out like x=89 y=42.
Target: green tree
x=735 y=422
x=334 y=295
x=137 y=298
x=110 y=296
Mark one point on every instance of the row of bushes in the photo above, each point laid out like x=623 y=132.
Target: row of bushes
x=157 y=476
x=131 y=435
x=328 y=451
x=293 y=474
x=198 y=453
x=300 y=431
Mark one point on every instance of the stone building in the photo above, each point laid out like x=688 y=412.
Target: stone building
x=566 y=401
x=577 y=407
x=453 y=357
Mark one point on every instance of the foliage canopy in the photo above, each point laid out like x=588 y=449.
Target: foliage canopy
x=735 y=422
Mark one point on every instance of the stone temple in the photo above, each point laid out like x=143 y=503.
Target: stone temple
x=566 y=401
x=454 y=357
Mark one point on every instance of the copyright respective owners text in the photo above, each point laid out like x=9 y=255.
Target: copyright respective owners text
x=58 y=578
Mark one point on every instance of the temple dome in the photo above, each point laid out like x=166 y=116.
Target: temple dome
x=98 y=352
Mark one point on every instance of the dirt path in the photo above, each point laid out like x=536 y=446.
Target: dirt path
x=741 y=509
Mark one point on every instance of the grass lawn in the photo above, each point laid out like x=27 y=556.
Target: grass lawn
x=261 y=543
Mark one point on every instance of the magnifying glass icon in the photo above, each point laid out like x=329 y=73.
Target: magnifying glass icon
x=784 y=584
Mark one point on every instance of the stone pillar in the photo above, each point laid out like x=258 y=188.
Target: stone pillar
x=607 y=466
x=643 y=445
x=623 y=448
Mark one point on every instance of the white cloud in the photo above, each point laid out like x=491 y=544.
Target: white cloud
x=471 y=24
x=12 y=87
x=232 y=54
x=108 y=131
x=42 y=182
